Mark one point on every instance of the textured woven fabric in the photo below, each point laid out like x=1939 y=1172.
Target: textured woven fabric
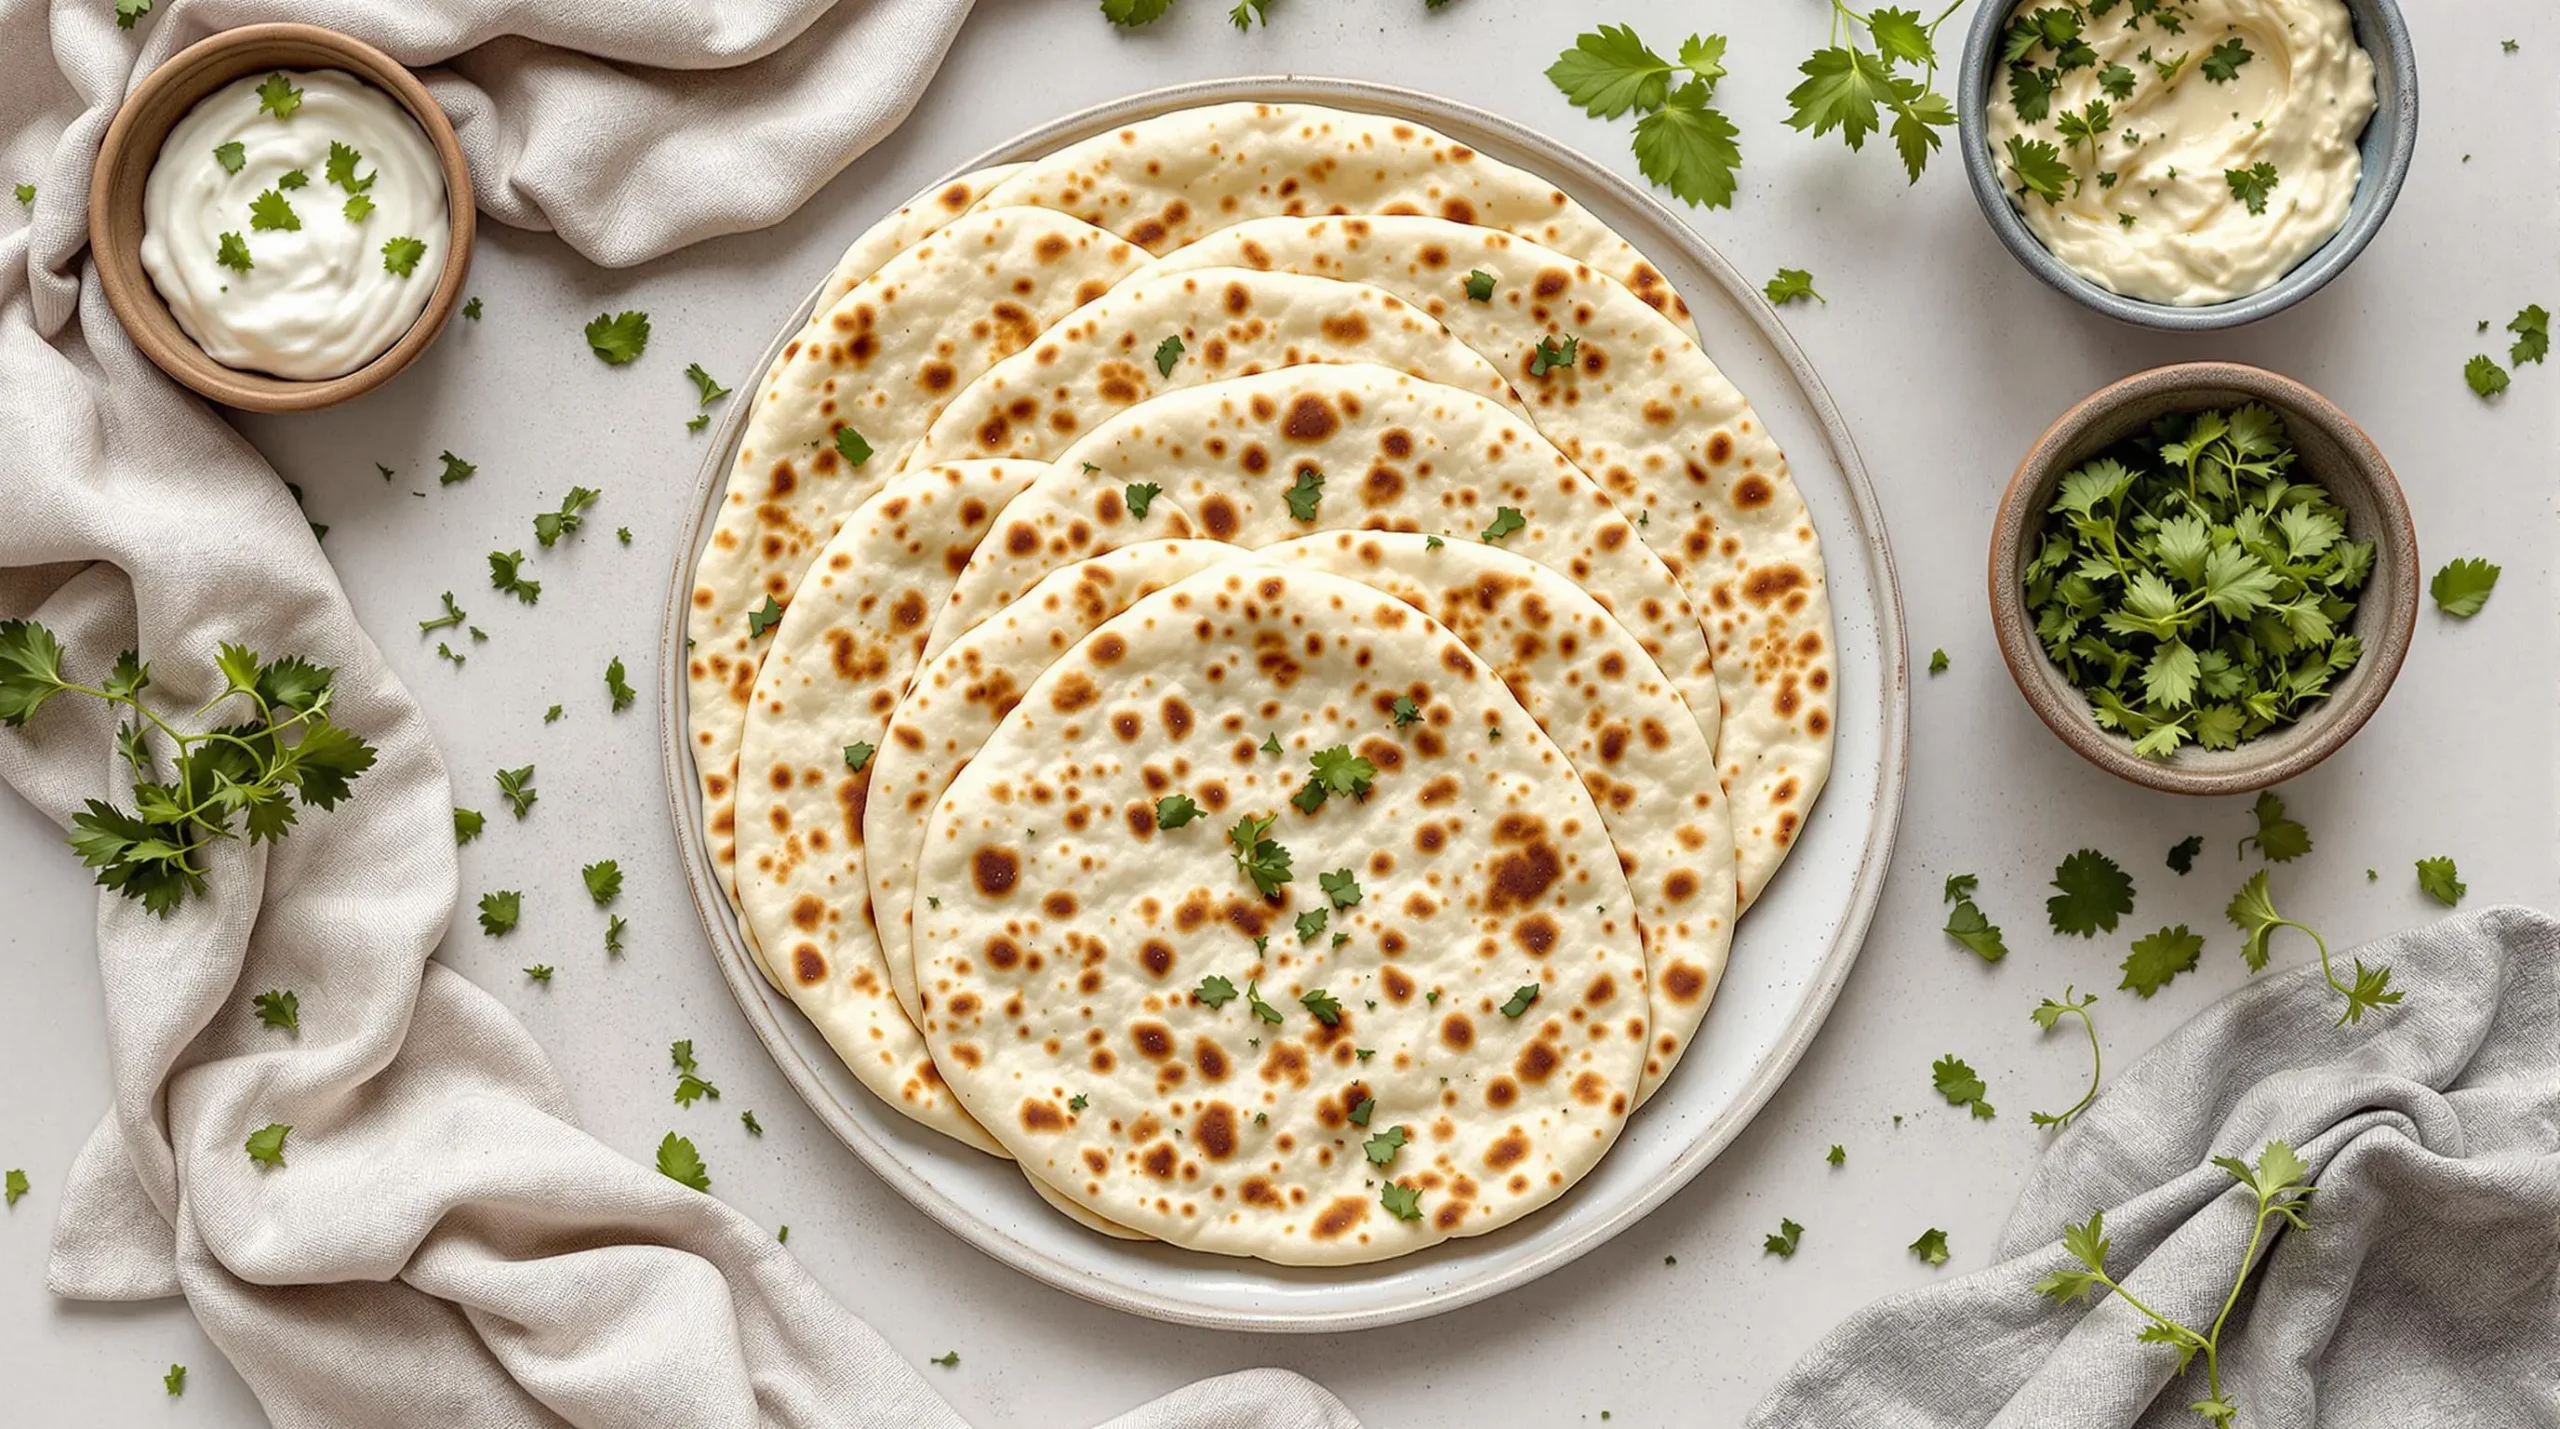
x=2425 y=1290
x=444 y=1245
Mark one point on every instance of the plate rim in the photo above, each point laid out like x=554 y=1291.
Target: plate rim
x=756 y=997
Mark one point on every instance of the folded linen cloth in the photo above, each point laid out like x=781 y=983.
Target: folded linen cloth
x=2425 y=1289
x=443 y=1244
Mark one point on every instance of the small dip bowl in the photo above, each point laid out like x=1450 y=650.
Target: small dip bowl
x=2390 y=140
x=2332 y=452
x=132 y=146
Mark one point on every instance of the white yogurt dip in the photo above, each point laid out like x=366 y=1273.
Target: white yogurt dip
x=2203 y=108
x=322 y=238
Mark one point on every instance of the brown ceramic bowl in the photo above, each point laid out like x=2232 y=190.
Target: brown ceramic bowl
x=2334 y=452
x=133 y=144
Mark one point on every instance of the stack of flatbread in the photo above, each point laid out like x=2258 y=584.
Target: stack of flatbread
x=1250 y=666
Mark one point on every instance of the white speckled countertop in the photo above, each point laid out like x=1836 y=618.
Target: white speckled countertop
x=1947 y=358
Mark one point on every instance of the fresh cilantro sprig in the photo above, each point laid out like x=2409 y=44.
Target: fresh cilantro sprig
x=1856 y=89
x=550 y=526
x=1931 y=1247
x=1258 y=857
x=2193 y=589
x=1792 y=285
x=1682 y=143
x=2253 y=912
x=2047 y=1015
x=285 y=751
x=2282 y=1185
x=690 y=1086
x=1335 y=771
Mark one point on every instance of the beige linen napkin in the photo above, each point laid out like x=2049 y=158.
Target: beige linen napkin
x=444 y=1245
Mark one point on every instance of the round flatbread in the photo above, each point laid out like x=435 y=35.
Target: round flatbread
x=1621 y=725
x=896 y=347
x=1142 y=340
x=927 y=213
x=1394 y=452
x=1642 y=409
x=960 y=697
x=833 y=671
x=1165 y=182
x=1110 y=1018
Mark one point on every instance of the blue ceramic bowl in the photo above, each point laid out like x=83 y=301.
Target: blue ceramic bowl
x=2389 y=141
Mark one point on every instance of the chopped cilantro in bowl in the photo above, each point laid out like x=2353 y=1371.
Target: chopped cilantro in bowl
x=2204 y=578
x=2195 y=585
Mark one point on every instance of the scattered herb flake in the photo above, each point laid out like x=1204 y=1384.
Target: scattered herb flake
x=277 y=95
x=2095 y=893
x=266 y=1147
x=506 y=575
x=2439 y=880
x=2160 y=957
x=499 y=911
x=1305 y=493
x=2462 y=587
x=401 y=255
x=1792 y=285
x=2182 y=857
x=1551 y=354
x=705 y=387
x=269 y=212
x=1956 y=1082
x=679 y=1162
x=517 y=786
x=618 y=338
x=1783 y=1244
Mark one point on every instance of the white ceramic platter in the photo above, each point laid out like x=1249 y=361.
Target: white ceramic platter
x=1790 y=954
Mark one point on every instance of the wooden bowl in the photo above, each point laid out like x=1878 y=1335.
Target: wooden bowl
x=2334 y=452
x=133 y=144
